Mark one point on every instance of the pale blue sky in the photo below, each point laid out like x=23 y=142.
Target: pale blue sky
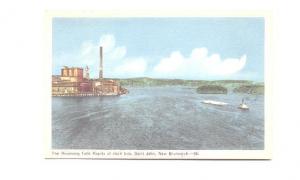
x=146 y=45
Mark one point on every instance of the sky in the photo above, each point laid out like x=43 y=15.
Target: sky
x=196 y=48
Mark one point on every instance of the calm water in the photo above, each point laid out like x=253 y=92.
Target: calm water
x=157 y=118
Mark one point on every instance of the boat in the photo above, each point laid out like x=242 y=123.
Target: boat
x=218 y=103
x=243 y=106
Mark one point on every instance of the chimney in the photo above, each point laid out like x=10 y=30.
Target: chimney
x=101 y=64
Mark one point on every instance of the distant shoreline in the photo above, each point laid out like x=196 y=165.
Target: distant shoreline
x=202 y=86
x=188 y=80
x=210 y=86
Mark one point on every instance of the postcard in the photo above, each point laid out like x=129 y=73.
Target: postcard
x=164 y=86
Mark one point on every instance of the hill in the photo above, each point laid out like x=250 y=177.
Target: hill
x=217 y=86
x=145 y=81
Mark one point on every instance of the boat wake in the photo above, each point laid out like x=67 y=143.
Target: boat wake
x=218 y=103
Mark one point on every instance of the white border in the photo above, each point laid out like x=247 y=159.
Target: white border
x=159 y=154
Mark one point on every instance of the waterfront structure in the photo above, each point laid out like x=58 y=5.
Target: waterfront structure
x=86 y=73
x=74 y=81
x=74 y=74
x=101 y=64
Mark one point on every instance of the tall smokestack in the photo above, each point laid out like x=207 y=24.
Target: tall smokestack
x=101 y=63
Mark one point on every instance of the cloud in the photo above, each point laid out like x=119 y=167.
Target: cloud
x=116 y=63
x=131 y=68
x=108 y=42
x=89 y=51
x=198 y=65
x=170 y=64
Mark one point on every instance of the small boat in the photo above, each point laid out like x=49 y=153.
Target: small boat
x=243 y=106
x=218 y=103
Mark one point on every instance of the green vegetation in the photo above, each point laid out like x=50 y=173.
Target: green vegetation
x=250 y=89
x=144 y=81
x=219 y=86
x=212 y=89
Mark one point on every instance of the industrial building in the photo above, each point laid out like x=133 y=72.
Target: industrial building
x=75 y=81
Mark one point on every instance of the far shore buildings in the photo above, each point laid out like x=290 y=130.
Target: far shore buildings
x=75 y=81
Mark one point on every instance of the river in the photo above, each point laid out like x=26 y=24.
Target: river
x=157 y=118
